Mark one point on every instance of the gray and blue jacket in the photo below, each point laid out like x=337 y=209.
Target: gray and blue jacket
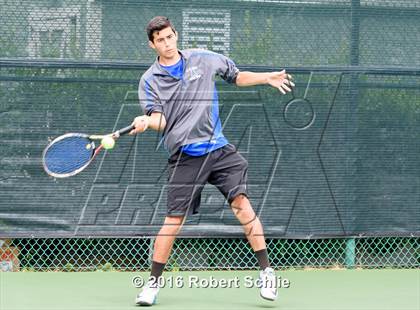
x=189 y=104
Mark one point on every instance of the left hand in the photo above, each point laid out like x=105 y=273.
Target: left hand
x=281 y=80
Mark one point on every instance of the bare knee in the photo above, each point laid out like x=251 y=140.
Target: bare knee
x=172 y=224
x=243 y=211
x=240 y=203
x=241 y=206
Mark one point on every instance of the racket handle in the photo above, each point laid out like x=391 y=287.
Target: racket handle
x=124 y=131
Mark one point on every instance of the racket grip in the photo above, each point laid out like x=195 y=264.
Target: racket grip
x=124 y=130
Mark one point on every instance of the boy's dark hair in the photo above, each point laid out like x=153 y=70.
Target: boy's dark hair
x=157 y=24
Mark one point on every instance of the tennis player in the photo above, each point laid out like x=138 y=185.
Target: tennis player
x=178 y=97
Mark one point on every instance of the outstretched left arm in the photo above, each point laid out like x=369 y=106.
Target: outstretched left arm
x=280 y=80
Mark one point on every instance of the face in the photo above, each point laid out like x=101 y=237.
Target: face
x=165 y=43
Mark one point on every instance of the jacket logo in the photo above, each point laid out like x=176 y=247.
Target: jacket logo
x=193 y=73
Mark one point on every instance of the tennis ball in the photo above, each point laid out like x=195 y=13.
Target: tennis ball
x=107 y=142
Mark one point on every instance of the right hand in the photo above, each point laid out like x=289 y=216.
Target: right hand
x=140 y=123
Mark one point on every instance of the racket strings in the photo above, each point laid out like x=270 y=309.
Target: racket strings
x=68 y=155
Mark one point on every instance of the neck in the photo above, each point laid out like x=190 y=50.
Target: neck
x=169 y=61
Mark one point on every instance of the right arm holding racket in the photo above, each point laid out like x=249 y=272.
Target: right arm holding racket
x=155 y=121
x=153 y=110
x=71 y=153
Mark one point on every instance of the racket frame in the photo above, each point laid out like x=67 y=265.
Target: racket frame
x=91 y=138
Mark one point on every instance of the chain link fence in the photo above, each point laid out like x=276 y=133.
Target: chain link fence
x=134 y=254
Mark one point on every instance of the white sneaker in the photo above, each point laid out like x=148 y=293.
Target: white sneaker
x=148 y=296
x=268 y=284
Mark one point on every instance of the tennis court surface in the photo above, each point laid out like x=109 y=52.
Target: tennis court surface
x=309 y=289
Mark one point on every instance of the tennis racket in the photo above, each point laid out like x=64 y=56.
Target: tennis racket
x=71 y=153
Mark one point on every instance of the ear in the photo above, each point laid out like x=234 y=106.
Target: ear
x=152 y=45
x=176 y=35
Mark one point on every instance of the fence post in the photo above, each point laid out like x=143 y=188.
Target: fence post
x=151 y=246
x=350 y=253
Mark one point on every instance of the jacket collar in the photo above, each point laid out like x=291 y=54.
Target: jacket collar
x=158 y=70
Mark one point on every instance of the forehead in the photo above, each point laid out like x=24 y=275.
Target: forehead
x=162 y=33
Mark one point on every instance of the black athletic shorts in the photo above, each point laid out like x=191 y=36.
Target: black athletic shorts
x=225 y=168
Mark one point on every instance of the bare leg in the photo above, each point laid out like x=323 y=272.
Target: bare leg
x=162 y=249
x=166 y=237
x=251 y=224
